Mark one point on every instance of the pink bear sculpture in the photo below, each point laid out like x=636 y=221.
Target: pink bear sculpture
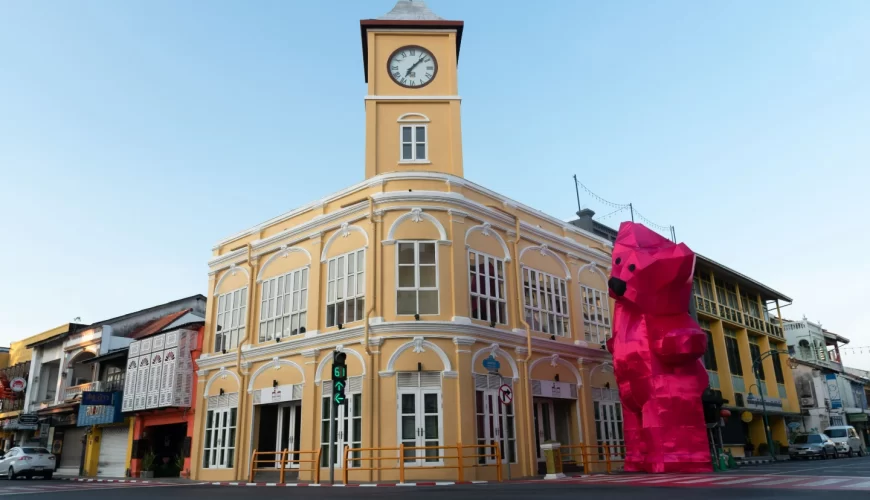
x=656 y=349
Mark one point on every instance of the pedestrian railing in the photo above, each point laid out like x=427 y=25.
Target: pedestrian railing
x=434 y=457
x=587 y=455
x=280 y=461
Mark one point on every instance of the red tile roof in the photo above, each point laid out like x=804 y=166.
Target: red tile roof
x=157 y=325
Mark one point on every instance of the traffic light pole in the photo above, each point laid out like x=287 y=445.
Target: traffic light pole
x=333 y=414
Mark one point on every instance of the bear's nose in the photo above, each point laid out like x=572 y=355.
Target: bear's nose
x=617 y=286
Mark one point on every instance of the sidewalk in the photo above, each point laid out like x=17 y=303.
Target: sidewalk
x=162 y=480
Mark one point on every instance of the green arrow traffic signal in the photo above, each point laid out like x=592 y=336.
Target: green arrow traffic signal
x=339 y=398
x=339 y=386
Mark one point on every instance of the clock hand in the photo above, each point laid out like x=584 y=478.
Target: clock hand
x=415 y=65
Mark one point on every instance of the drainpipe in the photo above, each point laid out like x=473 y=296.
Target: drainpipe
x=520 y=314
x=243 y=377
x=371 y=309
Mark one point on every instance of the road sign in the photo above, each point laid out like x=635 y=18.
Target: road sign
x=505 y=394
x=339 y=377
x=491 y=364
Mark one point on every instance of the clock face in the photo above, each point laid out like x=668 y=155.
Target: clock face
x=412 y=66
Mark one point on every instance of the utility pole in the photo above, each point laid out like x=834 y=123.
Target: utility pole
x=577 y=190
x=631 y=207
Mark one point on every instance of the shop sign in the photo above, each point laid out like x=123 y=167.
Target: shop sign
x=277 y=394
x=17 y=384
x=833 y=391
x=754 y=402
x=28 y=419
x=97 y=399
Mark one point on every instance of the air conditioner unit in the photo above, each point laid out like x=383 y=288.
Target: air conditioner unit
x=738 y=399
x=808 y=402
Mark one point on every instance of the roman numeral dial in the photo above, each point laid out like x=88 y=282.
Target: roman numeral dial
x=412 y=66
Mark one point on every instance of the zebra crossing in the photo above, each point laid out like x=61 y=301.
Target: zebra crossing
x=852 y=483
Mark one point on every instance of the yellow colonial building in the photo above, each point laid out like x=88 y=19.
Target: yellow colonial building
x=418 y=276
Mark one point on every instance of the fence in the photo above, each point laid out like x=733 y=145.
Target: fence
x=279 y=460
x=402 y=457
x=593 y=454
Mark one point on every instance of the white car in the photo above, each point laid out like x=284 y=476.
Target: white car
x=27 y=461
x=847 y=439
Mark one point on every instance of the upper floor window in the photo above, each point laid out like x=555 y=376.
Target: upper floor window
x=417 y=275
x=230 y=319
x=284 y=305
x=710 y=354
x=777 y=368
x=487 y=285
x=733 y=350
x=546 y=300
x=346 y=288
x=755 y=353
x=596 y=314
x=414 y=144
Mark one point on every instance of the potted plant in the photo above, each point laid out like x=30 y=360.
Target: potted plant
x=148 y=465
x=179 y=465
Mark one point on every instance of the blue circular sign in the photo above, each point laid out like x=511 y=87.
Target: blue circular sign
x=491 y=364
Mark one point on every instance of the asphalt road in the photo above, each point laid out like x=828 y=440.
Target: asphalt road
x=841 y=467
x=474 y=492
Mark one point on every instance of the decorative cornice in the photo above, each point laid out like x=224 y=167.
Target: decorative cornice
x=310 y=353
x=464 y=340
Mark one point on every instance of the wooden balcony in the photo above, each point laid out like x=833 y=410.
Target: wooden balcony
x=758 y=325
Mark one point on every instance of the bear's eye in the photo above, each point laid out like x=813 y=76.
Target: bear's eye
x=631 y=267
x=618 y=260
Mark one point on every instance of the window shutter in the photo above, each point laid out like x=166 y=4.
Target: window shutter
x=480 y=381
x=327 y=388
x=297 y=392
x=232 y=400
x=408 y=379
x=212 y=402
x=536 y=387
x=430 y=380
x=354 y=384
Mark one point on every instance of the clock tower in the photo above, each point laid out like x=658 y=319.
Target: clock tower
x=410 y=56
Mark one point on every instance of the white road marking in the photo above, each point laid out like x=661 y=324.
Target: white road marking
x=704 y=480
x=781 y=481
x=741 y=481
x=865 y=484
x=825 y=482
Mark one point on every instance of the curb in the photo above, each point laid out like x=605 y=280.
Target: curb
x=86 y=480
x=362 y=485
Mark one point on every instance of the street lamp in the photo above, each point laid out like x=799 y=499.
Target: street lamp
x=755 y=363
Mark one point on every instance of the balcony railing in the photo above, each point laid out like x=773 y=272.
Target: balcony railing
x=734 y=316
x=76 y=390
x=112 y=383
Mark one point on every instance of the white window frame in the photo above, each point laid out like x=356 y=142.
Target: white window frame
x=608 y=416
x=336 y=281
x=488 y=386
x=346 y=414
x=283 y=300
x=414 y=143
x=541 y=313
x=233 y=306
x=218 y=445
x=485 y=298
x=420 y=394
x=417 y=288
x=596 y=314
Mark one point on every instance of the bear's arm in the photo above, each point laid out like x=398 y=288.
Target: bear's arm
x=676 y=339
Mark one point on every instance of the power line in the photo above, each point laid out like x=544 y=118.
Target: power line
x=652 y=224
x=600 y=199
x=611 y=213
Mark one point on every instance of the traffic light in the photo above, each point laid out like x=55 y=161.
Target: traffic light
x=339 y=377
x=712 y=401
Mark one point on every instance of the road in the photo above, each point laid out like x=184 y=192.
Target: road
x=845 y=479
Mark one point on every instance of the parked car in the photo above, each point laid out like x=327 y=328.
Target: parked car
x=27 y=461
x=847 y=439
x=816 y=445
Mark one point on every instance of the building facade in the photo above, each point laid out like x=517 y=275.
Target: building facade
x=418 y=276
x=736 y=313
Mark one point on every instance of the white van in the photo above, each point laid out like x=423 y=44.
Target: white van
x=847 y=439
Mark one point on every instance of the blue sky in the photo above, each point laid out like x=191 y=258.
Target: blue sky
x=134 y=135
